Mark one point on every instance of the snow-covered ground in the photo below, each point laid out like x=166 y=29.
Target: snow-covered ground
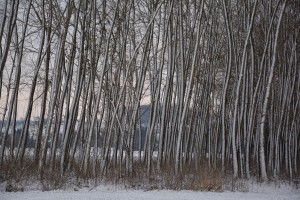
x=254 y=191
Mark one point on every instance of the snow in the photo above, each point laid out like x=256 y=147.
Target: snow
x=102 y=192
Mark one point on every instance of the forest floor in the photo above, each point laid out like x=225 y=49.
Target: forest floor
x=247 y=190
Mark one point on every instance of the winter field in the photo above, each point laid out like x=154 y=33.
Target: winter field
x=249 y=190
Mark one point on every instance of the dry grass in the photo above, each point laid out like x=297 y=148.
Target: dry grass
x=203 y=178
x=189 y=178
x=11 y=170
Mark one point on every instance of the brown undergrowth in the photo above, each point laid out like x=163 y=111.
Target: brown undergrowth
x=200 y=178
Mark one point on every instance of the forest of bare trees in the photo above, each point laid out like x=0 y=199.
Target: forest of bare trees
x=219 y=81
